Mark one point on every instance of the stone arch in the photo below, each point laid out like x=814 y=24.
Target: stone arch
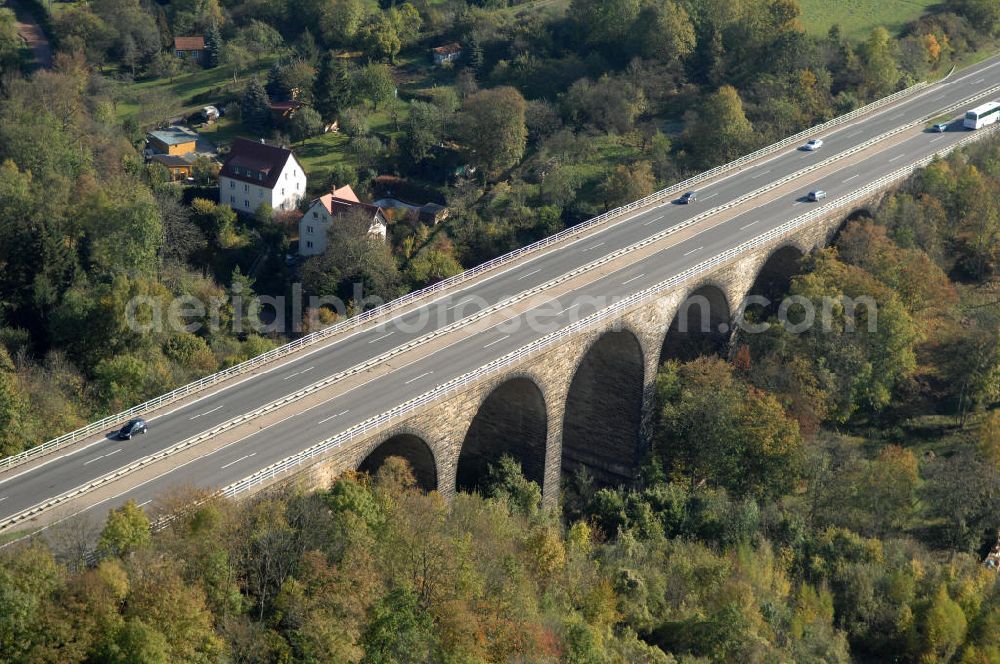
x=410 y=446
x=700 y=326
x=602 y=418
x=773 y=279
x=512 y=419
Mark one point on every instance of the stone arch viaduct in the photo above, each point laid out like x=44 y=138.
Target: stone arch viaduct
x=587 y=401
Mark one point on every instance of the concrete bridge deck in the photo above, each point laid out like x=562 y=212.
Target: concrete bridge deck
x=566 y=381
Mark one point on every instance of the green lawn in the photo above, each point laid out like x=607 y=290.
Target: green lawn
x=319 y=155
x=185 y=88
x=857 y=18
x=550 y=8
x=223 y=132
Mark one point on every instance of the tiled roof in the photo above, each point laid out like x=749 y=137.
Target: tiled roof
x=345 y=193
x=256 y=163
x=448 y=49
x=342 y=200
x=189 y=43
x=285 y=105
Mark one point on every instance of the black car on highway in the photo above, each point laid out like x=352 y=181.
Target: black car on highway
x=131 y=428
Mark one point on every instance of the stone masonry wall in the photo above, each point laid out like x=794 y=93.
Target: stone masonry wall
x=443 y=425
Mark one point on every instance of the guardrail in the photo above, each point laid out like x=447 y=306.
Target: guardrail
x=614 y=311
x=502 y=305
x=364 y=428
x=389 y=307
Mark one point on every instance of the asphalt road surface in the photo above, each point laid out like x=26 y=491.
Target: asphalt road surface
x=64 y=471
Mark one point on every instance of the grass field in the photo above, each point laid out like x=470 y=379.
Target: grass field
x=186 y=87
x=857 y=18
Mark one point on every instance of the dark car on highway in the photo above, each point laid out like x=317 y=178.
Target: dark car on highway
x=131 y=428
x=689 y=197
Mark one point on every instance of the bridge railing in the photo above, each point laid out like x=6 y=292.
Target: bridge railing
x=441 y=286
x=612 y=312
x=459 y=383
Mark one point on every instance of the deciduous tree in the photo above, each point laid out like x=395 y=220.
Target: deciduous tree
x=715 y=428
x=719 y=131
x=491 y=125
x=126 y=531
x=306 y=123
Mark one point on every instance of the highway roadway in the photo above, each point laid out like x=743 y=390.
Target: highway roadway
x=20 y=490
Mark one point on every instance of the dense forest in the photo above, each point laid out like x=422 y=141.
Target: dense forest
x=825 y=496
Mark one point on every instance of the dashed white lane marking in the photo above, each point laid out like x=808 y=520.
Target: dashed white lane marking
x=4 y=498
x=852 y=177
x=760 y=175
x=693 y=250
x=572 y=306
x=245 y=456
x=749 y=225
x=333 y=416
x=653 y=220
x=458 y=304
x=627 y=282
x=384 y=336
x=935 y=140
x=298 y=373
x=525 y=276
x=897 y=157
x=102 y=456
x=857 y=133
x=705 y=198
x=207 y=412
x=593 y=246
x=796 y=203
x=496 y=341
x=426 y=373
x=145 y=503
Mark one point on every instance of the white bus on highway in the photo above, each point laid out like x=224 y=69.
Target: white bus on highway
x=983 y=115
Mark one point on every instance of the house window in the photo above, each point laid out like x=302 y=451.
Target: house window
x=282 y=191
x=309 y=245
x=315 y=215
x=232 y=184
x=232 y=199
x=309 y=229
x=246 y=187
x=246 y=204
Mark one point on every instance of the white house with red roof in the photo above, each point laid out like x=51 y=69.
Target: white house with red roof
x=316 y=222
x=256 y=173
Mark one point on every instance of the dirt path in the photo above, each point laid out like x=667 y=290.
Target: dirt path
x=31 y=32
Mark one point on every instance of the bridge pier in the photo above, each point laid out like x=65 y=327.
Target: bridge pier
x=588 y=388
